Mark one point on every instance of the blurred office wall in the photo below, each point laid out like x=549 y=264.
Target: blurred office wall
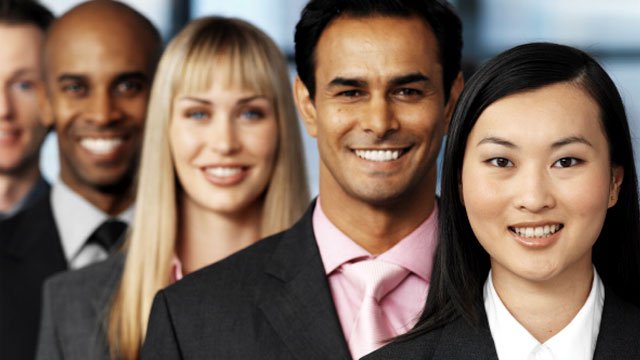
x=610 y=30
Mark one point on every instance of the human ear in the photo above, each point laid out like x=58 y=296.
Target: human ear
x=305 y=106
x=454 y=95
x=617 y=175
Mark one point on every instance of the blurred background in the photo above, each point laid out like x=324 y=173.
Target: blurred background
x=608 y=30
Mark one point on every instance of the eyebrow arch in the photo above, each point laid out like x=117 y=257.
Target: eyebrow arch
x=71 y=77
x=571 y=140
x=133 y=75
x=408 y=79
x=207 y=102
x=340 y=81
x=498 y=141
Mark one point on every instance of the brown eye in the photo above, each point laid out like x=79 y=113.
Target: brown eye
x=567 y=162
x=500 y=162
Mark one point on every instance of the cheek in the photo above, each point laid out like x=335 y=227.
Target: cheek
x=485 y=202
x=263 y=142
x=183 y=144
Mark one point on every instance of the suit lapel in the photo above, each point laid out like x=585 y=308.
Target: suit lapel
x=34 y=230
x=461 y=340
x=619 y=328
x=295 y=296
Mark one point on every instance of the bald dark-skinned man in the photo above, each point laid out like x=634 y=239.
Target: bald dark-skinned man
x=99 y=62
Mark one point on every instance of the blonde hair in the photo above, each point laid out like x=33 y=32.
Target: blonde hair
x=252 y=59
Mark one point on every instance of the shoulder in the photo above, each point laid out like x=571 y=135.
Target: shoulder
x=457 y=340
x=228 y=275
x=619 y=328
x=90 y=281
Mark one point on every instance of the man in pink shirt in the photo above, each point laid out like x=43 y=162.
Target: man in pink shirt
x=377 y=83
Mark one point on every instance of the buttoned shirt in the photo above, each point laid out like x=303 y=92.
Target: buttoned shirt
x=576 y=341
x=403 y=305
x=76 y=219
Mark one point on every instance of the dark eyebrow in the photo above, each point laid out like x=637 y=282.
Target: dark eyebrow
x=340 y=81
x=133 y=75
x=571 y=140
x=497 y=141
x=71 y=77
x=408 y=79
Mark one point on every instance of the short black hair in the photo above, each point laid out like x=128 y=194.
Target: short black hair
x=461 y=265
x=20 y=12
x=438 y=14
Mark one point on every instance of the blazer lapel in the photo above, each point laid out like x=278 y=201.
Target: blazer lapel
x=296 y=299
x=619 y=328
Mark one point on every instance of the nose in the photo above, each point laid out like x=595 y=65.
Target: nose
x=102 y=108
x=535 y=191
x=223 y=136
x=6 y=107
x=380 y=118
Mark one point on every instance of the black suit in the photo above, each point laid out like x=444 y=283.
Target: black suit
x=30 y=251
x=618 y=339
x=269 y=301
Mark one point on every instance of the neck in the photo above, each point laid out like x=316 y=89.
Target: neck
x=111 y=203
x=206 y=237
x=14 y=187
x=377 y=227
x=544 y=308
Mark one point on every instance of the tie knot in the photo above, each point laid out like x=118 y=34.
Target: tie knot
x=374 y=277
x=107 y=235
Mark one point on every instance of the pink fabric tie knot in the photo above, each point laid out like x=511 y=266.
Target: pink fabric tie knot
x=375 y=279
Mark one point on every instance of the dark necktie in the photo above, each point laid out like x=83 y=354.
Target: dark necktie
x=108 y=234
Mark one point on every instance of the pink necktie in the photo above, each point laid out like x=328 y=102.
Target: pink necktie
x=375 y=279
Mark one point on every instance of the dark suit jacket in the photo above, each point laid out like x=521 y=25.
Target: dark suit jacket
x=618 y=339
x=30 y=251
x=269 y=301
x=75 y=311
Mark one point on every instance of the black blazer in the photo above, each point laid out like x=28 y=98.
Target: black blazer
x=269 y=301
x=30 y=251
x=618 y=339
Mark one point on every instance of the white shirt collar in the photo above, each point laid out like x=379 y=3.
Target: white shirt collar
x=577 y=341
x=76 y=218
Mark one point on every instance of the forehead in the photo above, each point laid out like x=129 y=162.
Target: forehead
x=542 y=114
x=21 y=46
x=378 y=46
x=97 y=51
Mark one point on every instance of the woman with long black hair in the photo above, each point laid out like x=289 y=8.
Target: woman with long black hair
x=539 y=252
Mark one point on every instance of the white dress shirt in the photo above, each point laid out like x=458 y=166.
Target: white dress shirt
x=577 y=341
x=77 y=219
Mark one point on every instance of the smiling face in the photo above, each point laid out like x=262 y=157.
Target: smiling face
x=223 y=143
x=537 y=182
x=379 y=112
x=21 y=131
x=98 y=78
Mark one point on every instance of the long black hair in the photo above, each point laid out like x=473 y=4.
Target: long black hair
x=461 y=265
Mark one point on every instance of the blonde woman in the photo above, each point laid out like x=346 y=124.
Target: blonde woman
x=222 y=166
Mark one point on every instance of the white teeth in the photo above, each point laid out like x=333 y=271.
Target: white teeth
x=378 y=155
x=100 y=146
x=538 y=231
x=222 y=172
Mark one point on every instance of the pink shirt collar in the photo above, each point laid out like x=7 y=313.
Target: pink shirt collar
x=414 y=252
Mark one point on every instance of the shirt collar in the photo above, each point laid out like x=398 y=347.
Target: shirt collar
x=414 y=252
x=576 y=341
x=76 y=218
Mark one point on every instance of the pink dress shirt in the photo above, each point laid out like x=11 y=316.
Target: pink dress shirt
x=404 y=304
